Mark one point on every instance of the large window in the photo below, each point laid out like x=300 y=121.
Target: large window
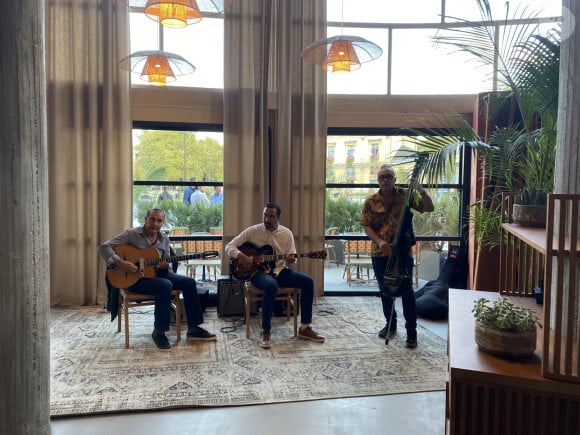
x=351 y=178
x=166 y=165
x=410 y=63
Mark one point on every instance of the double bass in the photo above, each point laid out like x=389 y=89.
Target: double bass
x=397 y=275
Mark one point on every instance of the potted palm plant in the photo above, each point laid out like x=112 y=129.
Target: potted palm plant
x=517 y=151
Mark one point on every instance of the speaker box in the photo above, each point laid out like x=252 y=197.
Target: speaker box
x=231 y=298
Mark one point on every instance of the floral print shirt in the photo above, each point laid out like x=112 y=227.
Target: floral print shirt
x=382 y=219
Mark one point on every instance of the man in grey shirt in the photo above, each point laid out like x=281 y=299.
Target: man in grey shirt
x=165 y=280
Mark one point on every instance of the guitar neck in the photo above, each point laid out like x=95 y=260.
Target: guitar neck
x=171 y=259
x=279 y=257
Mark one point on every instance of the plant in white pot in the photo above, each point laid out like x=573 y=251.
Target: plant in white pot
x=504 y=329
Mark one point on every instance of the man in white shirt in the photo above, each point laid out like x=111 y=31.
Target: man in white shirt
x=281 y=240
x=198 y=196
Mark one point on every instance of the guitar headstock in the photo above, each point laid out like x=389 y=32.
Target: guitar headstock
x=208 y=255
x=321 y=255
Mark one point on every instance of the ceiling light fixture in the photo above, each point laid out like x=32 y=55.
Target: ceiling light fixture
x=176 y=13
x=341 y=53
x=156 y=67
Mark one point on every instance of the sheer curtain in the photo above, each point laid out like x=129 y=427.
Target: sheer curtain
x=89 y=142
x=275 y=120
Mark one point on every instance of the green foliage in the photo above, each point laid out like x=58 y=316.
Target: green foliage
x=444 y=220
x=520 y=151
x=343 y=214
x=159 y=155
x=504 y=315
x=487 y=224
x=532 y=196
x=198 y=218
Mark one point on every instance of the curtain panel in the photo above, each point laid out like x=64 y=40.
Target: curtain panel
x=275 y=121
x=89 y=142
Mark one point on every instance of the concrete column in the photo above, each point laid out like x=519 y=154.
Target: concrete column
x=24 y=282
x=567 y=179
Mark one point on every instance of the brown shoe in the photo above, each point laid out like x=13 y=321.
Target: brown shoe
x=310 y=334
x=265 y=342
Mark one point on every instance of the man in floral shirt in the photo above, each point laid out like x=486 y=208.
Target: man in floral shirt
x=380 y=216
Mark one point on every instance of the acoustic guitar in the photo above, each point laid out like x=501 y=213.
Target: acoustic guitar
x=146 y=260
x=263 y=260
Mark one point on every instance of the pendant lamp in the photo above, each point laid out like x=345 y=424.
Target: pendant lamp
x=156 y=67
x=342 y=53
x=176 y=13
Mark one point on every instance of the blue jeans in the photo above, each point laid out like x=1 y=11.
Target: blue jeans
x=406 y=292
x=287 y=278
x=161 y=287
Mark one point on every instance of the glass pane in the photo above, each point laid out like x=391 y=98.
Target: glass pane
x=371 y=77
x=444 y=220
x=374 y=11
x=468 y=10
x=419 y=68
x=171 y=156
x=357 y=159
x=202 y=44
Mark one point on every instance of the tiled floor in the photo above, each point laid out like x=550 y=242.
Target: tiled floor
x=409 y=414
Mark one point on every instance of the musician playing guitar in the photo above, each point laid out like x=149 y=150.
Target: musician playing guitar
x=165 y=280
x=269 y=277
x=380 y=218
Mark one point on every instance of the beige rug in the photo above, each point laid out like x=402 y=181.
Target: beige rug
x=92 y=372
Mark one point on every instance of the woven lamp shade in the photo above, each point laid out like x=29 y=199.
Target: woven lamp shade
x=176 y=13
x=341 y=53
x=173 y=13
x=157 y=67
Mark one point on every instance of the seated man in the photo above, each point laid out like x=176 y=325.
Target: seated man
x=281 y=239
x=150 y=235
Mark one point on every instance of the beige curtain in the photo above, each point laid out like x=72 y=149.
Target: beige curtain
x=299 y=140
x=89 y=142
x=275 y=120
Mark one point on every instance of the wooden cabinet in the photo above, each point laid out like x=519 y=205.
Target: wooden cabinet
x=495 y=396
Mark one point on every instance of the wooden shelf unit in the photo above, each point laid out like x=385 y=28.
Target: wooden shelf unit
x=496 y=396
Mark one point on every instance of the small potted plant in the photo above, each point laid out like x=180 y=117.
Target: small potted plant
x=505 y=330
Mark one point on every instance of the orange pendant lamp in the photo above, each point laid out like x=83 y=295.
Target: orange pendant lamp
x=341 y=53
x=176 y=13
x=156 y=67
x=173 y=13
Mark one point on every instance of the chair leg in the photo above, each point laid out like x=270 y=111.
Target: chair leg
x=178 y=316
x=126 y=315
x=247 y=302
x=119 y=312
x=295 y=312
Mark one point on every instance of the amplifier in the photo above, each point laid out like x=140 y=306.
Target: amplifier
x=231 y=298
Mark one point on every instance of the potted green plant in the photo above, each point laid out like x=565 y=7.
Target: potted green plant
x=504 y=329
x=521 y=116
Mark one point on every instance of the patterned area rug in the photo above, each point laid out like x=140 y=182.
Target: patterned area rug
x=92 y=372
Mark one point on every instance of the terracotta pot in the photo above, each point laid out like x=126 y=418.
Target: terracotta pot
x=530 y=215
x=507 y=344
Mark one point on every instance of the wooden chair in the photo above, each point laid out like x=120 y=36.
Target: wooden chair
x=357 y=261
x=288 y=294
x=329 y=246
x=129 y=299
